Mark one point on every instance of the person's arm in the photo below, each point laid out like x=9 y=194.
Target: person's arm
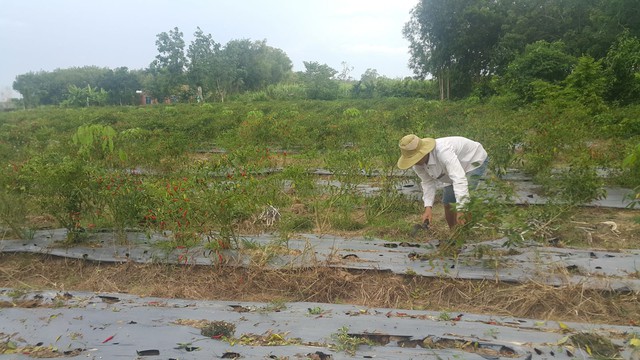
x=428 y=185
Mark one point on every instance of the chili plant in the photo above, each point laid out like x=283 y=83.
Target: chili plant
x=62 y=186
x=227 y=202
x=124 y=198
x=335 y=202
x=176 y=210
x=13 y=205
x=632 y=164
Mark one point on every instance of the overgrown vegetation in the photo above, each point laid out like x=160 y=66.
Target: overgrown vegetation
x=211 y=171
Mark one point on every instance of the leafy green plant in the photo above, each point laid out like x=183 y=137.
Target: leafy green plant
x=62 y=187
x=79 y=97
x=492 y=333
x=388 y=200
x=125 y=200
x=274 y=306
x=445 y=316
x=17 y=293
x=218 y=329
x=95 y=141
x=632 y=163
x=13 y=204
x=486 y=210
x=62 y=183
x=535 y=223
x=176 y=209
x=351 y=113
x=343 y=341
x=576 y=185
x=315 y=310
x=295 y=223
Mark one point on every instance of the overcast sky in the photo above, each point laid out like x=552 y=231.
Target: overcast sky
x=46 y=34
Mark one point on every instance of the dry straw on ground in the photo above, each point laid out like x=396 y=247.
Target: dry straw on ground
x=322 y=284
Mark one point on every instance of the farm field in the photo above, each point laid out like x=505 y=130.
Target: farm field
x=294 y=210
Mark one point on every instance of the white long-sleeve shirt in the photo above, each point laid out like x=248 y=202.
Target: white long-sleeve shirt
x=448 y=163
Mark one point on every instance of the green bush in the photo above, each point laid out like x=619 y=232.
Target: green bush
x=62 y=186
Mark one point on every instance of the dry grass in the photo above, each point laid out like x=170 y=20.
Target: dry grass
x=602 y=228
x=325 y=285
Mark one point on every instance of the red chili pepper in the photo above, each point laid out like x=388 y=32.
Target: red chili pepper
x=108 y=339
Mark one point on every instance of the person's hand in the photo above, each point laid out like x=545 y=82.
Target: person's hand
x=426 y=216
x=461 y=218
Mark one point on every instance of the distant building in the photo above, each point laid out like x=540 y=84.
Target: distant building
x=8 y=99
x=183 y=94
x=148 y=99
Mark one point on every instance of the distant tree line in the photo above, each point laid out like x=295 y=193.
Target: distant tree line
x=525 y=50
x=79 y=86
x=206 y=70
x=528 y=47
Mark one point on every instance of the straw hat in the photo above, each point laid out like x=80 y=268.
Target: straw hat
x=413 y=149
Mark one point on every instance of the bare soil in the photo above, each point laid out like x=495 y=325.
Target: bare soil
x=610 y=229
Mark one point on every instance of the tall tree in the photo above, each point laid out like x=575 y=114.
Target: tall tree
x=121 y=84
x=169 y=66
x=542 y=61
x=319 y=80
x=256 y=64
x=366 y=87
x=29 y=86
x=623 y=64
x=587 y=83
x=51 y=88
x=608 y=20
x=453 y=40
x=201 y=69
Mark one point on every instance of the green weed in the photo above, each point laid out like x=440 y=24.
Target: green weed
x=343 y=341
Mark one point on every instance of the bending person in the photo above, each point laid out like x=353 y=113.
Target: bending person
x=456 y=161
